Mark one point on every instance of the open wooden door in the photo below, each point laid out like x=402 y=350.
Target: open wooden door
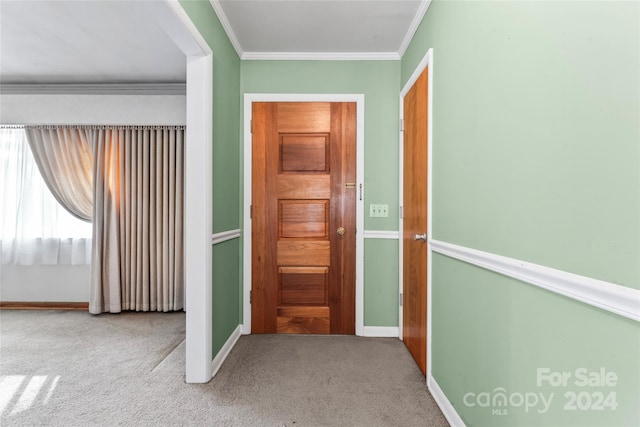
x=414 y=237
x=303 y=217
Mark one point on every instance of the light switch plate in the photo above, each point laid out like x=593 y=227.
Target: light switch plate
x=378 y=211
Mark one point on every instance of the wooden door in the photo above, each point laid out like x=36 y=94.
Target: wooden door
x=415 y=222
x=303 y=218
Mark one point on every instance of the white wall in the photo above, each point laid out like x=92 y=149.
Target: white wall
x=93 y=109
x=69 y=283
x=59 y=283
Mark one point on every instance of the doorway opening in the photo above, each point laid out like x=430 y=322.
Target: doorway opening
x=300 y=316
x=416 y=159
x=198 y=195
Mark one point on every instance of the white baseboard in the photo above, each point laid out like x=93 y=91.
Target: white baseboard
x=443 y=403
x=381 y=331
x=217 y=362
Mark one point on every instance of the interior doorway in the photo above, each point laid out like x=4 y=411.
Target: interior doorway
x=416 y=208
x=303 y=217
x=290 y=240
x=198 y=185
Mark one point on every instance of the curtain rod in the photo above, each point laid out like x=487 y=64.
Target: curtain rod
x=75 y=126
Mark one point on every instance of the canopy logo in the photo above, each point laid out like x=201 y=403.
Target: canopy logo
x=499 y=401
x=585 y=390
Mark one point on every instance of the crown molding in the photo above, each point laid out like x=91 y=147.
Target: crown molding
x=217 y=8
x=422 y=10
x=320 y=56
x=94 y=89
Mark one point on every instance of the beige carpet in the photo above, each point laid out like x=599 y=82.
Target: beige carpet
x=72 y=369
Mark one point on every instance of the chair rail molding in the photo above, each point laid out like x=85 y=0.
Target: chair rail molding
x=614 y=298
x=225 y=236
x=381 y=234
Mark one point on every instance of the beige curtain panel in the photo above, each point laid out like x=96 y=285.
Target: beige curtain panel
x=64 y=159
x=138 y=219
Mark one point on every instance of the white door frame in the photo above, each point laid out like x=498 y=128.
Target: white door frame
x=198 y=194
x=427 y=60
x=249 y=99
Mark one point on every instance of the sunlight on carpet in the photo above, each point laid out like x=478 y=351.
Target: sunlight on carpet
x=19 y=393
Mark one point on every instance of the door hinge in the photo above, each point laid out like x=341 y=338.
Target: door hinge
x=401 y=212
x=250 y=211
x=401 y=299
x=251 y=125
x=250 y=297
x=401 y=125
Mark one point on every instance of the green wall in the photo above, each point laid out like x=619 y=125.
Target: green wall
x=381 y=282
x=226 y=175
x=536 y=130
x=379 y=82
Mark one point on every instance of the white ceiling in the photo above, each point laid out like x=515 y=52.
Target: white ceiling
x=108 y=41
x=85 y=42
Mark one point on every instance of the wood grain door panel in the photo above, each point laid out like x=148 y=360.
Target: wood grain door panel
x=304 y=153
x=415 y=221
x=303 y=272
x=304 y=286
x=304 y=219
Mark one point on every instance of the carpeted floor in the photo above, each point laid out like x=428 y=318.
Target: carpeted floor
x=66 y=368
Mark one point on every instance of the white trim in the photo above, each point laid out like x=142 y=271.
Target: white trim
x=182 y=31
x=225 y=236
x=320 y=56
x=197 y=225
x=381 y=234
x=304 y=97
x=415 y=23
x=427 y=60
x=617 y=299
x=216 y=364
x=246 y=218
x=217 y=8
x=430 y=86
x=444 y=404
x=94 y=89
x=198 y=196
x=249 y=98
x=380 y=331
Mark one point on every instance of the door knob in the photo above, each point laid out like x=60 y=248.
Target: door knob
x=422 y=237
x=340 y=231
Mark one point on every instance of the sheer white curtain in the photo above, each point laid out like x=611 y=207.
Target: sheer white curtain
x=138 y=219
x=64 y=159
x=34 y=228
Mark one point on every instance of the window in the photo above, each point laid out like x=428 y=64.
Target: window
x=34 y=227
